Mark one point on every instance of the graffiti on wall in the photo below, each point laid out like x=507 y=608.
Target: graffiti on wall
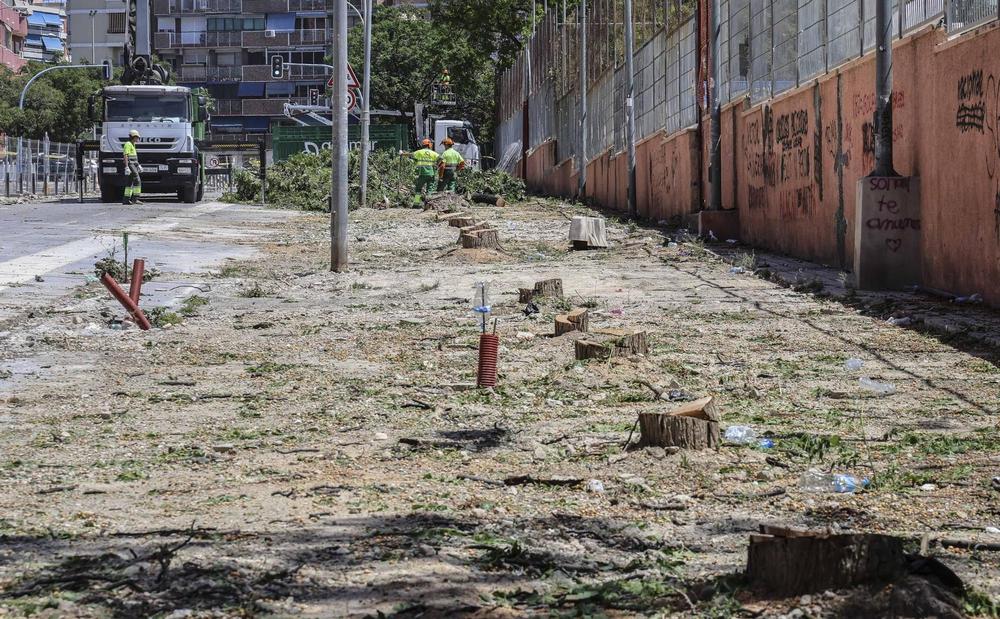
x=864 y=108
x=978 y=112
x=889 y=215
x=780 y=162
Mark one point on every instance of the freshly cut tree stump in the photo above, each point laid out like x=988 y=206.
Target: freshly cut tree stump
x=694 y=425
x=488 y=198
x=576 y=320
x=607 y=343
x=480 y=225
x=447 y=202
x=788 y=562
x=546 y=288
x=588 y=232
x=461 y=220
x=481 y=239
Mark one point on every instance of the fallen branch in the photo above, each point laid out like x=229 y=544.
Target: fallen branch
x=520 y=480
x=417 y=404
x=55 y=489
x=484 y=480
x=671 y=507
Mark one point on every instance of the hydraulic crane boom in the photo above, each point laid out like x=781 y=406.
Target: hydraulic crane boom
x=139 y=67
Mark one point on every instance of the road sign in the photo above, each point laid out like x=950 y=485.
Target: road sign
x=353 y=83
x=352 y=100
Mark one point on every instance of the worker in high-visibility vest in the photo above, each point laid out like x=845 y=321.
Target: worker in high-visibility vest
x=134 y=188
x=426 y=162
x=451 y=162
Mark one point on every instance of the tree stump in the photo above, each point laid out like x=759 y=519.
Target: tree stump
x=546 y=288
x=479 y=225
x=694 y=425
x=461 y=220
x=588 y=232
x=607 y=343
x=481 y=239
x=788 y=562
x=576 y=320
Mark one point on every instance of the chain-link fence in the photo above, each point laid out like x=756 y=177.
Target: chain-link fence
x=42 y=168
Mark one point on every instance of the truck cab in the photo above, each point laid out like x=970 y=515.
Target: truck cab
x=169 y=120
x=460 y=131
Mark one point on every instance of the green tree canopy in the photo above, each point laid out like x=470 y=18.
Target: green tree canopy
x=56 y=103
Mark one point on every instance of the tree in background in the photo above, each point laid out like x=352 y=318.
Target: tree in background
x=56 y=103
x=472 y=39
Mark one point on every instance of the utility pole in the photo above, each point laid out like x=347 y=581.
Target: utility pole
x=883 y=89
x=715 y=164
x=581 y=175
x=630 y=108
x=338 y=160
x=366 y=116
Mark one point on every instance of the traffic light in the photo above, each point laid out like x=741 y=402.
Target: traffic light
x=314 y=96
x=107 y=70
x=277 y=67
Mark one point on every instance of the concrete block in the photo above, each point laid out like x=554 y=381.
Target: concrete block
x=887 y=233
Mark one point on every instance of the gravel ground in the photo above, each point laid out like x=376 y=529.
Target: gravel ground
x=305 y=443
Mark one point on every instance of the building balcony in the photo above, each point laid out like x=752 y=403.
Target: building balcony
x=15 y=22
x=169 y=40
x=264 y=38
x=262 y=73
x=174 y=7
x=12 y=61
x=198 y=73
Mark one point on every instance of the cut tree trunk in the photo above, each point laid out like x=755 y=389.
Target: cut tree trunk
x=788 y=562
x=588 y=232
x=576 y=320
x=461 y=220
x=479 y=225
x=607 y=343
x=481 y=239
x=488 y=198
x=546 y=288
x=666 y=430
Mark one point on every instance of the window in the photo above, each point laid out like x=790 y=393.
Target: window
x=116 y=23
x=225 y=59
x=235 y=24
x=460 y=135
x=254 y=58
x=127 y=108
x=310 y=23
x=195 y=57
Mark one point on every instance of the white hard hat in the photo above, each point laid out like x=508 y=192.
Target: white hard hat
x=133 y=134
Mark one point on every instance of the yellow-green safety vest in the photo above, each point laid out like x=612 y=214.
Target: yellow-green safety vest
x=426 y=159
x=131 y=156
x=452 y=158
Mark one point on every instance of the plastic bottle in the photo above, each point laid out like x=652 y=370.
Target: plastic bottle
x=741 y=435
x=815 y=480
x=877 y=387
x=853 y=364
x=737 y=270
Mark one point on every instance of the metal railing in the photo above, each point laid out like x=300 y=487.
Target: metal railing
x=44 y=168
x=963 y=15
x=205 y=6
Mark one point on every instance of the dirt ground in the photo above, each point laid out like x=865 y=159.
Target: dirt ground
x=310 y=444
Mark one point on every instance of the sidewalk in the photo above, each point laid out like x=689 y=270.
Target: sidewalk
x=308 y=443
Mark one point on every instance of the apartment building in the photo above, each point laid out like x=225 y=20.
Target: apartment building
x=226 y=46
x=14 y=26
x=97 y=31
x=46 y=39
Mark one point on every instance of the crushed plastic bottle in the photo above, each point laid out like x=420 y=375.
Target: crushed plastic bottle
x=853 y=364
x=741 y=435
x=904 y=321
x=671 y=244
x=765 y=443
x=595 y=485
x=972 y=298
x=815 y=480
x=737 y=270
x=877 y=387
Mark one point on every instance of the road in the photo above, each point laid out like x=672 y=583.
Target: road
x=59 y=242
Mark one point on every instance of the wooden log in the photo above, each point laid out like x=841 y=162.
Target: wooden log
x=481 y=239
x=488 y=198
x=806 y=563
x=607 y=343
x=666 y=430
x=588 y=232
x=525 y=295
x=576 y=320
x=703 y=408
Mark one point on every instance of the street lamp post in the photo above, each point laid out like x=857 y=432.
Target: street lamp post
x=338 y=189
x=365 y=105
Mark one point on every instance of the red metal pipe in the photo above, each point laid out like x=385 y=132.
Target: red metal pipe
x=119 y=294
x=489 y=346
x=138 y=268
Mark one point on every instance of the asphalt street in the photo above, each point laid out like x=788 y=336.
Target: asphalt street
x=59 y=242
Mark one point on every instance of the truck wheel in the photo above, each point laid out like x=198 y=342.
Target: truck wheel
x=111 y=195
x=188 y=195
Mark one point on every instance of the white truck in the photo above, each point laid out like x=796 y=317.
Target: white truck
x=169 y=119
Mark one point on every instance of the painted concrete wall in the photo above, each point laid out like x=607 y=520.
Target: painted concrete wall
x=791 y=165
